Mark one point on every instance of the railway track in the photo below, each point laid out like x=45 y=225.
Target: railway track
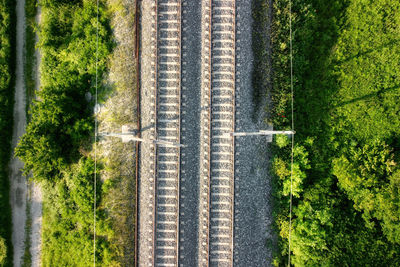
x=166 y=232
x=161 y=175
x=222 y=123
x=217 y=155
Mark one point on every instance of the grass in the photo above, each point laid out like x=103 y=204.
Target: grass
x=119 y=109
x=30 y=59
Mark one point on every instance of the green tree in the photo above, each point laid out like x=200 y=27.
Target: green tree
x=370 y=177
x=346 y=91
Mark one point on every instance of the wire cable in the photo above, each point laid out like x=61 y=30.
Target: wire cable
x=292 y=93
x=95 y=138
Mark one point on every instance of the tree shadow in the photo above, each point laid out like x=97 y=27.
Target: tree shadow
x=316 y=85
x=388 y=44
x=261 y=48
x=370 y=96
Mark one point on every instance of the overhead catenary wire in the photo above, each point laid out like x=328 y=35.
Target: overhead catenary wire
x=95 y=138
x=292 y=106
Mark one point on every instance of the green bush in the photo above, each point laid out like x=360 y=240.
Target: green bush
x=58 y=139
x=346 y=206
x=282 y=140
x=3 y=251
x=68 y=221
x=370 y=177
x=61 y=119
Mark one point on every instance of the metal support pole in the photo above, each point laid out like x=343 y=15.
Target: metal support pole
x=126 y=137
x=262 y=132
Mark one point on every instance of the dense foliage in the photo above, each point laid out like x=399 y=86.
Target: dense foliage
x=57 y=143
x=61 y=118
x=30 y=66
x=7 y=59
x=346 y=182
x=68 y=221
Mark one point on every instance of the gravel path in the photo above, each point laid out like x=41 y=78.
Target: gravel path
x=18 y=182
x=253 y=218
x=36 y=198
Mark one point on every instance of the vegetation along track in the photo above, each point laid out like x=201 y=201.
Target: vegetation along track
x=218 y=89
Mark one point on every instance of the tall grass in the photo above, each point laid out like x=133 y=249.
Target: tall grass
x=7 y=80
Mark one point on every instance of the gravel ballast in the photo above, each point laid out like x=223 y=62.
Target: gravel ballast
x=147 y=156
x=253 y=217
x=190 y=122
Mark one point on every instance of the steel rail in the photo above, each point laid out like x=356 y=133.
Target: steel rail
x=138 y=91
x=205 y=129
x=209 y=129
x=179 y=129
x=233 y=129
x=155 y=130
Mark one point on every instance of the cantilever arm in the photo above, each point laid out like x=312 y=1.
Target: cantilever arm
x=262 y=132
x=126 y=137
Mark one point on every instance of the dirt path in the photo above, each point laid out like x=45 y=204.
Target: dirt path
x=35 y=189
x=36 y=227
x=18 y=183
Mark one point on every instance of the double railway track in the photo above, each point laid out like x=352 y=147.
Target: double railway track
x=161 y=236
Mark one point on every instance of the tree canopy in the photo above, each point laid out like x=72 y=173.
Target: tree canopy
x=346 y=205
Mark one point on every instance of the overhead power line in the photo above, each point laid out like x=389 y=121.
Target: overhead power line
x=292 y=94
x=95 y=138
